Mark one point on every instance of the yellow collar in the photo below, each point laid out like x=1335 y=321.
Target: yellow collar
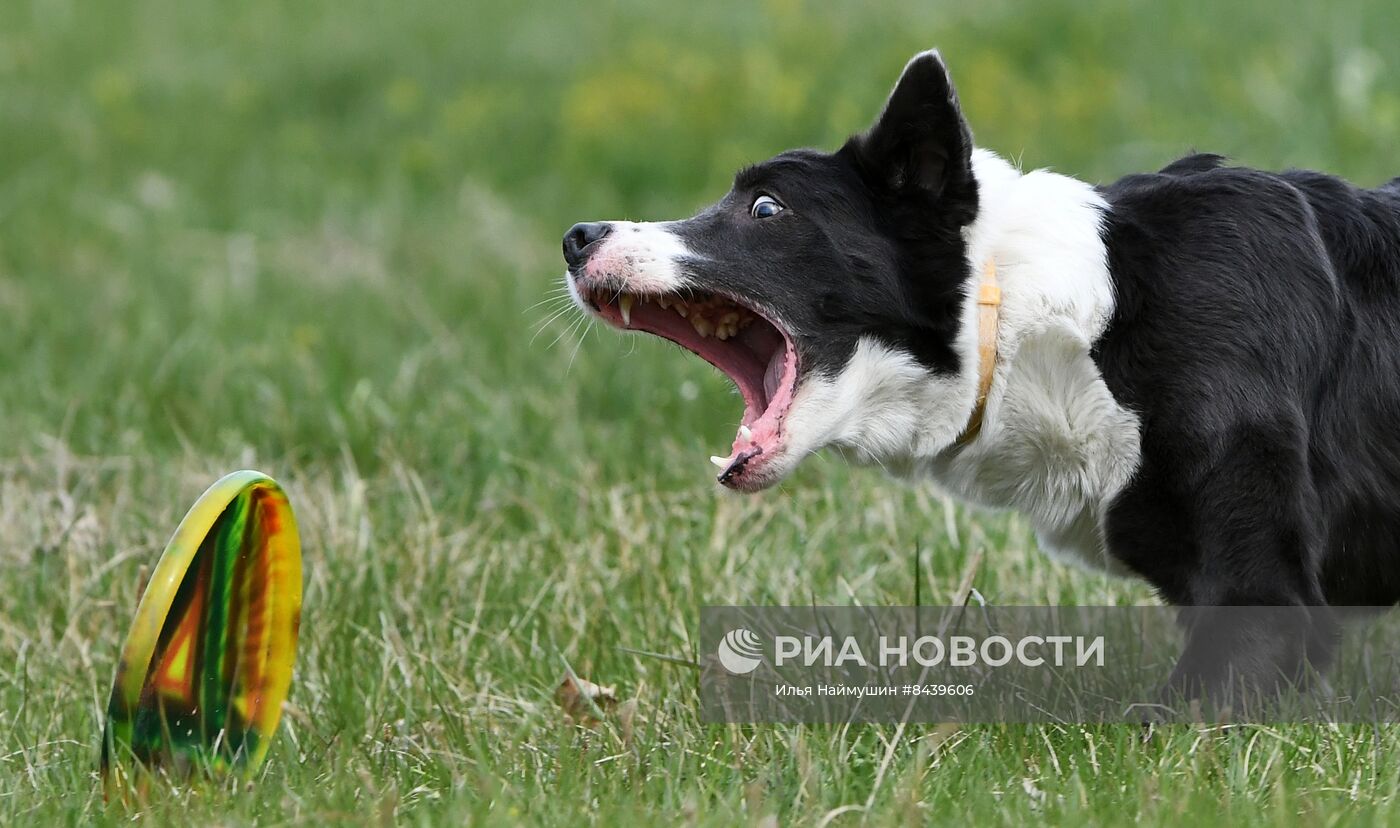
x=988 y=308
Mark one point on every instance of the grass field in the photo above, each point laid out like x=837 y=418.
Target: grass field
x=312 y=237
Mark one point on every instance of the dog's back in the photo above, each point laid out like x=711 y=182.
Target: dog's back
x=1259 y=318
x=1356 y=454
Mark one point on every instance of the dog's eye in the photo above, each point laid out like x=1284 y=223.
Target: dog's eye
x=765 y=207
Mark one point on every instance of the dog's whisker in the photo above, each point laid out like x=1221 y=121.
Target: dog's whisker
x=548 y=300
x=544 y=326
x=556 y=310
x=577 y=345
x=567 y=331
x=558 y=305
x=541 y=325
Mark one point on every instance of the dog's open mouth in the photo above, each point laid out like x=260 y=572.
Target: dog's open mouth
x=746 y=344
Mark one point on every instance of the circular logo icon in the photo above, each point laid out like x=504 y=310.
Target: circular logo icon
x=740 y=651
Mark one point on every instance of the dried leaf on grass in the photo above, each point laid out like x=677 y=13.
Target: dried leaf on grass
x=589 y=704
x=583 y=701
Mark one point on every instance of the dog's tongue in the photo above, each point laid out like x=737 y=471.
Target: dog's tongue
x=774 y=374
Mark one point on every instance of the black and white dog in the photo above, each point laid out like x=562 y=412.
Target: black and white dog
x=1191 y=375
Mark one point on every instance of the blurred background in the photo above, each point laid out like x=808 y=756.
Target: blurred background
x=306 y=227
x=320 y=238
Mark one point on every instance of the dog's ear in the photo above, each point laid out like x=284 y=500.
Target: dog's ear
x=920 y=144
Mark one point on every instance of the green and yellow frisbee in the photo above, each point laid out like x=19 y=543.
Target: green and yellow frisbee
x=208 y=661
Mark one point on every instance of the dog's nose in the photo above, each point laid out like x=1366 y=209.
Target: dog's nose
x=579 y=237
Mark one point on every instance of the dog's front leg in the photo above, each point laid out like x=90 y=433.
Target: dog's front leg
x=1241 y=658
x=1239 y=545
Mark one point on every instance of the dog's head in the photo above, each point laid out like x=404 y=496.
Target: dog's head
x=831 y=287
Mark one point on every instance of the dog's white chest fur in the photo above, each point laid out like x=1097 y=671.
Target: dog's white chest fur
x=1057 y=448
x=1054 y=445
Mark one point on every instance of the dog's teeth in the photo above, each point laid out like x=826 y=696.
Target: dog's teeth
x=625 y=305
x=702 y=326
x=663 y=302
x=721 y=462
x=746 y=433
x=682 y=309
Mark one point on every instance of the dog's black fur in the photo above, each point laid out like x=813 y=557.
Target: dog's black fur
x=1256 y=333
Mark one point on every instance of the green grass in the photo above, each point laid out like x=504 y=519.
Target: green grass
x=310 y=238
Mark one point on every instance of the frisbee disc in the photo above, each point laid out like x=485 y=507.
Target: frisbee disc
x=208 y=661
